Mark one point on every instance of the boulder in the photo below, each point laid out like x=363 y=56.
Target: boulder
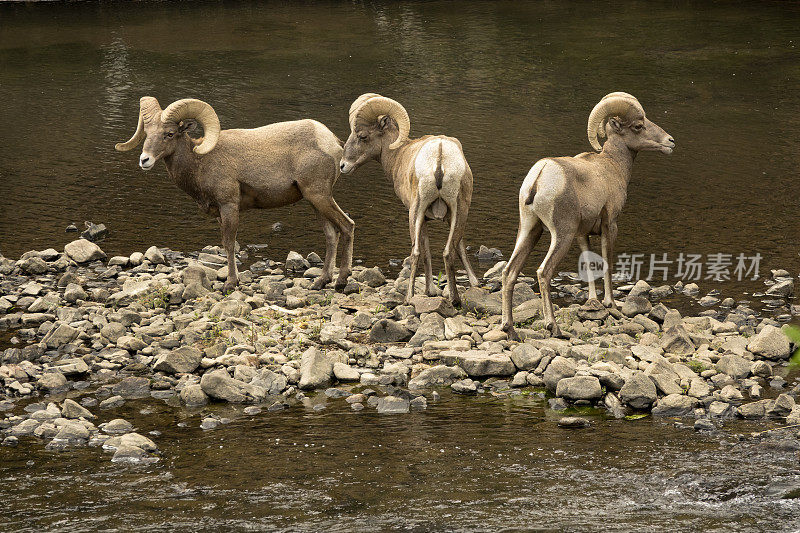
x=316 y=369
x=579 y=388
x=218 y=384
x=296 y=262
x=60 y=334
x=526 y=357
x=558 y=369
x=480 y=302
x=677 y=341
x=52 y=381
x=372 y=277
x=430 y=329
x=193 y=395
x=393 y=405
x=345 y=372
x=733 y=365
x=479 y=363
x=639 y=391
x=230 y=307
x=83 y=251
x=674 y=405
x=180 y=360
x=432 y=304
x=154 y=255
x=592 y=310
x=437 y=376
x=72 y=366
x=72 y=409
x=770 y=343
x=132 y=387
x=388 y=331
x=636 y=305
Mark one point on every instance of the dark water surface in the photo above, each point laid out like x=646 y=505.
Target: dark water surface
x=464 y=464
x=513 y=81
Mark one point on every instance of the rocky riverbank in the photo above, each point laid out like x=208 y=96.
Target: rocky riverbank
x=89 y=333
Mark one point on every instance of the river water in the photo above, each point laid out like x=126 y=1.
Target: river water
x=514 y=82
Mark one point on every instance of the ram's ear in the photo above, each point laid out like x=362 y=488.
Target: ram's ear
x=615 y=124
x=187 y=125
x=384 y=121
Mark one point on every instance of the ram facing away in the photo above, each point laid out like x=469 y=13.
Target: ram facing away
x=575 y=197
x=228 y=171
x=430 y=175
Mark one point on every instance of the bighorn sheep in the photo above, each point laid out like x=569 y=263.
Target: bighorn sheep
x=232 y=170
x=580 y=196
x=430 y=174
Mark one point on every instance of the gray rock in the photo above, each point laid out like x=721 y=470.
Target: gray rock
x=74 y=292
x=704 y=424
x=388 y=331
x=731 y=394
x=733 y=365
x=437 y=376
x=344 y=372
x=636 y=305
x=34 y=265
x=130 y=343
x=72 y=366
x=673 y=405
x=676 y=340
x=131 y=439
x=479 y=363
x=526 y=357
x=60 y=334
x=753 y=410
x=230 y=308
x=393 y=405
x=666 y=384
x=83 y=251
x=218 y=384
x=592 y=310
x=132 y=387
x=193 y=395
x=770 y=343
x=573 y=422
x=112 y=331
x=781 y=289
x=118 y=426
x=761 y=369
x=72 y=409
x=129 y=454
x=432 y=304
x=316 y=369
x=781 y=407
x=112 y=402
x=181 y=360
x=372 y=277
x=558 y=369
x=430 y=329
x=579 y=388
x=52 y=381
x=479 y=301
x=155 y=256
x=296 y=262
x=639 y=391
x=464 y=386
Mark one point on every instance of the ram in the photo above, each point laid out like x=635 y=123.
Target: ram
x=228 y=171
x=430 y=174
x=575 y=197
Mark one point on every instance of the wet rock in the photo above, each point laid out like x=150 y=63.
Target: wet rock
x=437 y=376
x=181 y=360
x=132 y=387
x=666 y=384
x=558 y=369
x=372 y=277
x=193 y=395
x=770 y=343
x=753 y=410
x=432 y=304
x=117 y=426
x=464 y=386
x=781 y=407
x=218 y=384
x=639 y=391
x=33 y=265
x=761 y=369
x=83 y=251
x=72 y=409
x=316 y=369
x=479 y=363
x=132 y=344
x=731 y=394
x=673 y=405
x=131 y=439
x=72 y=366
x=781 y=289
x=488 y=254
x=388 y=331
x=573 y=422
x=209 y=423
x=393 y=405
x=704 y=424
x=430 y=329
x=72 y=432
x=95 y=232
x=579 y=388
x=734 y=366
x=112 y=402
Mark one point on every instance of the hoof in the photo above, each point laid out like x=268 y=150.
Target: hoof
x=339 y=286
x=319 y=283
x=229 y=287
x=511 y=332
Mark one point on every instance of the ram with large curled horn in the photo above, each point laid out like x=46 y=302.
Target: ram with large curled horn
x=575 y=197
x=227 y=171
x=430 y=174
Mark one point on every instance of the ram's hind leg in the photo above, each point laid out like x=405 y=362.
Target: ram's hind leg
x=331 y=244
x=528 y=234
x=560 y=241
x=229 y=222
x=417 y=221
x=458 y=221
x=330 y=211
x=426 y=251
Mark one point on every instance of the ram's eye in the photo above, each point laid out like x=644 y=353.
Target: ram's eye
x=638 y=127
x=362 y=137
x=170 y=133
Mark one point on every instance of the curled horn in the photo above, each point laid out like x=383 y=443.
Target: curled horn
x=372 y=106
x=148 y=110
x=612 y=104
x=200 y=111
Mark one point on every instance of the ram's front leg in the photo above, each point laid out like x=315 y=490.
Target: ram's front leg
x=229 y=220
